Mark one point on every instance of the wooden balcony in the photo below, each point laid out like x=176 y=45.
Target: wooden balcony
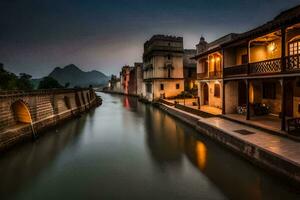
x=273 y=66
x=203 y=75
x=210 y=75
x=265 y=67
x=215 y=74
x=237 y=70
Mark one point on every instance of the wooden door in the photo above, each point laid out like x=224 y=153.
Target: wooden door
x=242 y=95
x=289 y=99
x=205 y=94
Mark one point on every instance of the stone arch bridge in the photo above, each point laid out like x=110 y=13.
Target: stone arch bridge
x=23 y=114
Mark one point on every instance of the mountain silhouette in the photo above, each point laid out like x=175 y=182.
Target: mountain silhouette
x=76 y=77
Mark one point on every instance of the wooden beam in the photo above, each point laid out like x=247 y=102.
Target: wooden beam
x=283 y=49
x=223 y=98
x=283 y=103
x=247 y=100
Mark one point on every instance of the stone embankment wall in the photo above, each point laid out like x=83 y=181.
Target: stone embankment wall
x=24 y=114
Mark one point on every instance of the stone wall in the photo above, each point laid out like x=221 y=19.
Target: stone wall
x=169 y=88
x=45 y=108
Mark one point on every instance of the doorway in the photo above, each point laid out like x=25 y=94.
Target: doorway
x=205 y=94
x=242 y=95
x=289 y=98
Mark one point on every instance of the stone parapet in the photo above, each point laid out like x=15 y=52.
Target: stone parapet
x=24 y=115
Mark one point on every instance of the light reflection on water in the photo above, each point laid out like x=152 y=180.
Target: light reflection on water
x=128 y=150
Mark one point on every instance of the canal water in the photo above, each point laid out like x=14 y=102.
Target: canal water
x=128 y=150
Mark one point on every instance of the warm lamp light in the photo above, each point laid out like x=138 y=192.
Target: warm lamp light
x=212 y=60
x=272 y=47
x=218 y=59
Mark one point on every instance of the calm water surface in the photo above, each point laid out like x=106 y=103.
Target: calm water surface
x=128 y=150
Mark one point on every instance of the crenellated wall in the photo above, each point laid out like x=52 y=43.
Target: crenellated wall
x=25 y=114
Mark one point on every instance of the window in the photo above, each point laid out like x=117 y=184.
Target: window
x=269 y=90
x=148 y=88
x=161 y=86
x=217 y=90
x=294 y=48
x=169 y=73
x=177 y=86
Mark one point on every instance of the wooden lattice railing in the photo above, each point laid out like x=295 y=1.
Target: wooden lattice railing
x=267 y=66
x=293 y=63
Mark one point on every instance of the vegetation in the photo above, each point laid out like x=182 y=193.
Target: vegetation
x=10 y=81
x=184 y=95
x=49 y=83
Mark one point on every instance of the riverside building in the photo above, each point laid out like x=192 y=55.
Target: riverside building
x=262 y=73
x=210 y=73
x=163 y=67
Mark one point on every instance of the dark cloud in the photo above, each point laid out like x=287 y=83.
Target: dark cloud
x=38 y=35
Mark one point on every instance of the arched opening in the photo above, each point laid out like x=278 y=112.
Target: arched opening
x=205 y=94
x=67 y=102
x=217 y=90
x=21 y=112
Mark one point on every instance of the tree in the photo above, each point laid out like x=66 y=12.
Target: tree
x=67 y=84
x=23 y=82
x=49 y=83
x=7 y=80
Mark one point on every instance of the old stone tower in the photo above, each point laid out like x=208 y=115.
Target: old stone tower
x=202 y=45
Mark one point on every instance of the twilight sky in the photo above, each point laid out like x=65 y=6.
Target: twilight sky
x=38 y=35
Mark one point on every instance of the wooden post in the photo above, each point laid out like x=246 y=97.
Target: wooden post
x=283 y=49
x=247 y=100
x=223 y=84
x=283 y=102
x=223 y=98
x=248 y=54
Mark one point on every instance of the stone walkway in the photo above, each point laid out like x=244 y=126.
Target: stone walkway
x=284 y=148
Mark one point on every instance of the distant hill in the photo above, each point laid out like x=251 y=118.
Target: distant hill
x=76 y=77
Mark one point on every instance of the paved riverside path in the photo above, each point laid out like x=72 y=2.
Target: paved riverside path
x=282 y=147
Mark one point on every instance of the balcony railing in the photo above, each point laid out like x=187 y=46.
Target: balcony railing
x=293 y=63
x=267 y=66
x=202 y=75
x=272 y=66
x=236 y=70
x=215 y=74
